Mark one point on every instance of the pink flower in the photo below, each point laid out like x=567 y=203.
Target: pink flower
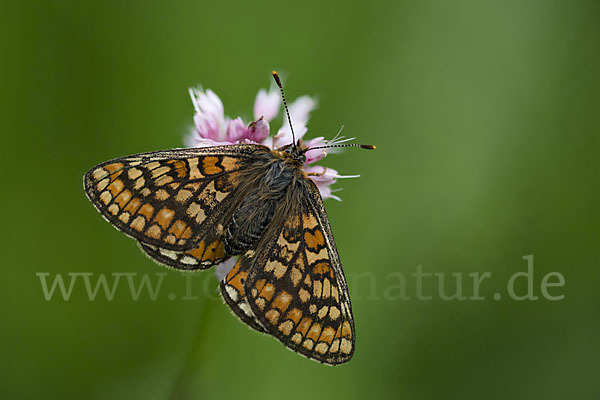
x=213 y=128
x=267 y=104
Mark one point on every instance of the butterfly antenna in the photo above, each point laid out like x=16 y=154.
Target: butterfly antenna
x=362 y=146
x=278 y=81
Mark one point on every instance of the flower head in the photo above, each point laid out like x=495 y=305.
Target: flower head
x=213 y=128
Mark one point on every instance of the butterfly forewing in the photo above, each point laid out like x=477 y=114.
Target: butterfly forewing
x=296 y=287
x=169 y=199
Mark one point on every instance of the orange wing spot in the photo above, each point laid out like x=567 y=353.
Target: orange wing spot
x=327 y=335
x=282 y=301
x=164 y=217
x=314 y=241
x=314 y=332
x=123 y=198
x=267 y=291
x=304 y=325
x=147 y=211
x=338 y=332
x=178 y=228
x=133 y=205
x=209 y=167
x=116 y=187
x=235 y=276
x=294 y=314
x=214 y=251
x=187 y=233
x=229 y=163
x=260 y=284
x=321 y=268
x=198 y=251
x=114 y=167
x=346 y=330
x=309 y=221
x=179 y=167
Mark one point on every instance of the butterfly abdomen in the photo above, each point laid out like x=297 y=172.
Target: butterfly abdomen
x=256 y=210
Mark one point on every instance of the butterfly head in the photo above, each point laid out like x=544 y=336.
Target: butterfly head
x=294 y=152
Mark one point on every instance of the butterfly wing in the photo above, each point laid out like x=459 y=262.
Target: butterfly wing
x=233 y=292
x=173 y=202
x=202 y=256
x=295 y=285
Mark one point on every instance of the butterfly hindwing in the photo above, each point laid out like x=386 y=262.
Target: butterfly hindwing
x=208 y=252
x=233 y=292
x=296 y=286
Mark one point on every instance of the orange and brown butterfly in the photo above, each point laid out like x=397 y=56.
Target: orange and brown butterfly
x=194 y=208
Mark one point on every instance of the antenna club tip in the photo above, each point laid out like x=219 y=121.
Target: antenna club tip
x=368 y=146
x=276 y=76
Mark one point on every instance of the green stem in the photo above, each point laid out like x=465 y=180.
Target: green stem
x=191 y=369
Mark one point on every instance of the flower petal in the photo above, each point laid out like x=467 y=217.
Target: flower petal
x=267 y=104
x=315 y=155
x=195 y=140
x=209 y=103
x=258 y=130
x=209 y=118
x=326 y=178
x=236 y=130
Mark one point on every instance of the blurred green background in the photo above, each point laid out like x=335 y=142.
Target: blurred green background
x=485 y=115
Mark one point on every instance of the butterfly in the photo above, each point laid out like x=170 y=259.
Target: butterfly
x=194 y=208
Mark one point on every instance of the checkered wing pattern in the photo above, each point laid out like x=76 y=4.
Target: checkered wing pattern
x=295 y=288
x=202 y=256
x=234 y=294
x=172 y=201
